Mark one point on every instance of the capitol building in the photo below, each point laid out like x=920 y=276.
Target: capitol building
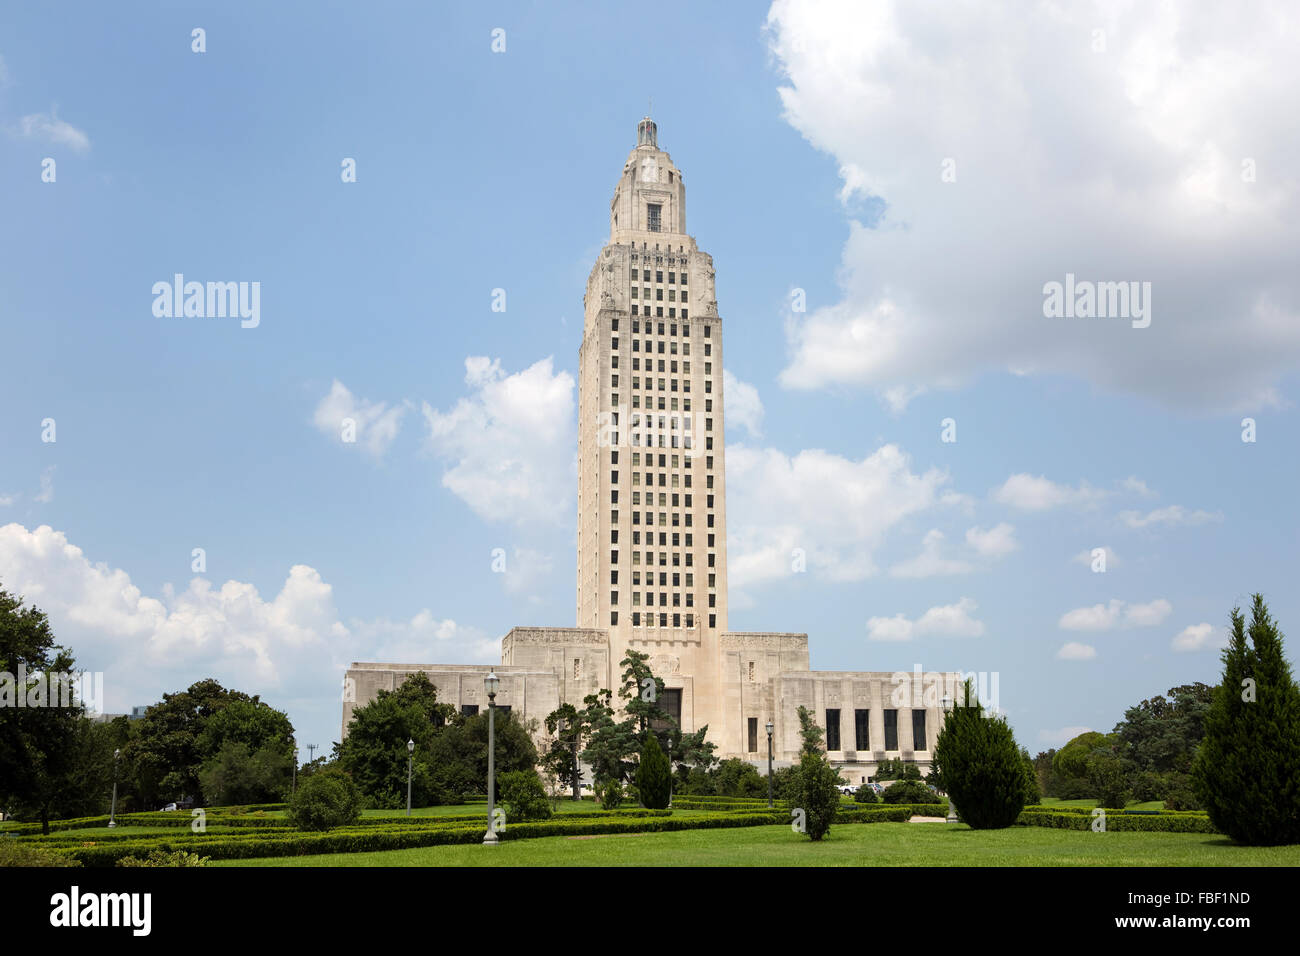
x=652 y=528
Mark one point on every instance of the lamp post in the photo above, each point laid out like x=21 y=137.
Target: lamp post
x=410 y=754
x=769 y=764
x=491 y=682
x=112 y=812
x=952 y=807
x=293 y=784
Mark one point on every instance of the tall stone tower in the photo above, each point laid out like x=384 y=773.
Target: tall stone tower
x=652 y=517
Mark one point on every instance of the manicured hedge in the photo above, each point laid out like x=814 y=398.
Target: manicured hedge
x=397 y=837
x=1119 y=821
x=1087 y=811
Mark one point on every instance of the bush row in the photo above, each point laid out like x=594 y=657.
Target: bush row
x=1119 y=821
x=398 y=837
x=1087 y=811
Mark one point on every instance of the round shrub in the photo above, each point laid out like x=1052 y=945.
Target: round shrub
x=610 y=794
x=908 y=791
x=866 y=794
x=524 y=797
x=325 y=800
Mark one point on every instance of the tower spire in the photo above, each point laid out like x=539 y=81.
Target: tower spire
x=647 y=134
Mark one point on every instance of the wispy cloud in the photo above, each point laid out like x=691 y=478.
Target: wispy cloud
x=48 y=128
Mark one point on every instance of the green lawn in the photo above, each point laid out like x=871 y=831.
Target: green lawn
x=877 y=844
x=1089 y=803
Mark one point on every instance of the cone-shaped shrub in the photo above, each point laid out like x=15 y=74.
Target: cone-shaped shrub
x=654 y=775
x=980 y=764
x=1247 y=770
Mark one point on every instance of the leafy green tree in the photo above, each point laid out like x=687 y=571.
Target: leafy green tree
x=810 y=734
x=610 y=793
x=53 y=761
x=1157 y=740
x=1108 y=780
x=1072 y=759
x=168 y=747
x=567 y=730
x=866 y=794
x=1247 y=770
x=814 y=789
x=1033 y=794
x=642 y=693
x=691 y=754
x=611 y=743
x=325 y=800
x=237 y=775
x=981 y=765
x=444 y=764
x=523 y=796
x=653 y=776
x=1046 y=773
x=739 y=778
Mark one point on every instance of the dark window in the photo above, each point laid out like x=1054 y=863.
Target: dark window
x=652 y=219
x=504 y=710
x=753 y=735
x=918 y=730
x=891 y=730
x=861 y=731
x=832 y=730
x=468 y=710
x=670 y=702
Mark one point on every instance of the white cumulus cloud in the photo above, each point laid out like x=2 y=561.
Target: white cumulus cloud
x=372 y=425
x=1199 y=637
x=510 y=444
x=1038 y=493
x=950 y=620
x=1016 y=154
x=744 y=407
x=1115 y=613
x=832 y=510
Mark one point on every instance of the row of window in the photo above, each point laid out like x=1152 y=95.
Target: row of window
x=650 y=382
x=636 y=475
x=659 y=275
x=659 y=260
x=648 y=619
x=659 y=294
x=659 y=311
x=861 y=730
x=663 y=578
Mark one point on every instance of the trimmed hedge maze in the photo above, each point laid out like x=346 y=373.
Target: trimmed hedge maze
x=277 y=838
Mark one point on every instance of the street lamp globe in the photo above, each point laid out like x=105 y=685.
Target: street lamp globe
x=410 y=746
x=770 y=728
x=492 y=682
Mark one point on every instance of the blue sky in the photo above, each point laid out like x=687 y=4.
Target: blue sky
x=812 y=139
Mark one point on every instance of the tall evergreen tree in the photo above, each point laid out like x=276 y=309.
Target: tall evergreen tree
x=653 y=776
x=1247 y=770
x=981 y=766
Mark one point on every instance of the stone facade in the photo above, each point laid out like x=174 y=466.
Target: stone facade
x=651 y=532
